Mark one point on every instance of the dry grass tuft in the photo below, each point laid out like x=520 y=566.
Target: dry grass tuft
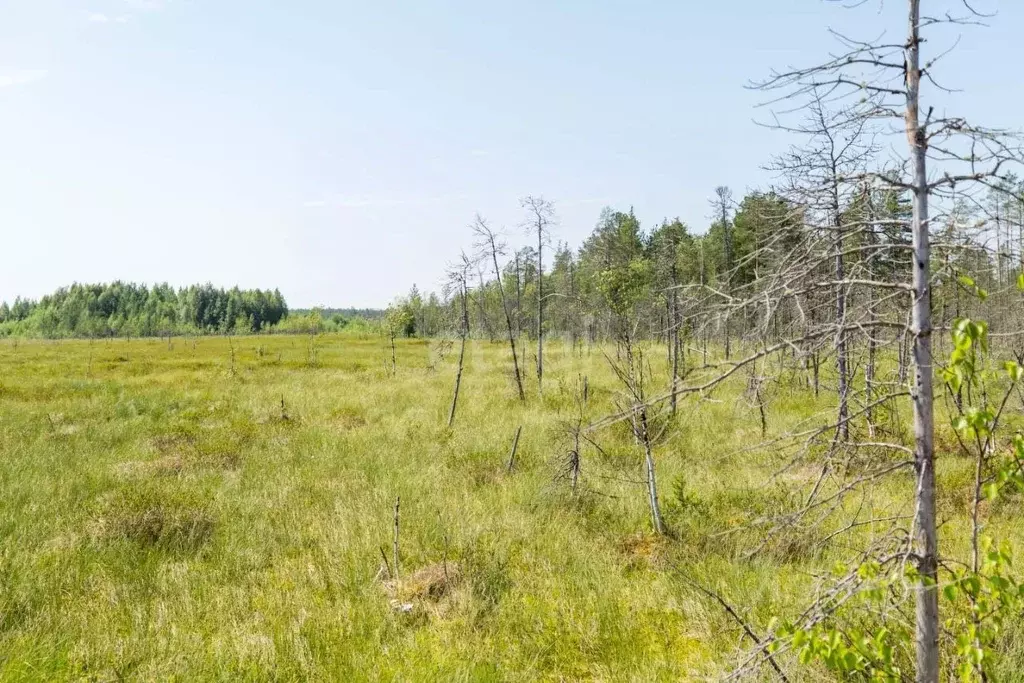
x=645 y=549
x=432 y=582
x=150 y=523
x=346 y=419
x=165 y=528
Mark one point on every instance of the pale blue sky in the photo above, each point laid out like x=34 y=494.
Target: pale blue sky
x=338 y=150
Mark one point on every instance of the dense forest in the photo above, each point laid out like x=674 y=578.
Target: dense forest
x=125 y=309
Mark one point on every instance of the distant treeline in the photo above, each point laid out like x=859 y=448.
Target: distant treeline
x=119 y=308
x=319 y=320
x=345 y=313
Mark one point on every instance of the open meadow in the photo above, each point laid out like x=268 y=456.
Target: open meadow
x=220 y=508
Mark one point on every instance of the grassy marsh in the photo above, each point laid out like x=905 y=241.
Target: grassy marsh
x=172 y=514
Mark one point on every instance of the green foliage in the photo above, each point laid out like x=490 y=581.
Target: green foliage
x=125 y=309
x=400 y=320
x=853 y=654
x=983 y=593
x=979 y=604
x=969 y=337
x=623 y=287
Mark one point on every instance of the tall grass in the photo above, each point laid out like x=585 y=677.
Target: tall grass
x=164 y=517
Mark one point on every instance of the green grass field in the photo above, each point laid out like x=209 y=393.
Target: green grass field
x=167 y=513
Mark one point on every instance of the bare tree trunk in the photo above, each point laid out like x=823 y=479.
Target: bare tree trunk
x=394 y=362
x=652 y=484
x=575 y=465
x=704 y=339
x=869 y=372
x=519 y=299
x=674 y=350
x=999 y=252
x=491 y=243
x=462 y=354
x=482 y=305
x=902 y=351
x=572 y=306
x=511 y=335
x=540 y=305
x=541 y=216
x=1020 y=231
x=843 y=426
x=680 y=351
x=724 y=197
x=815 y=365
x=926 y=541
x=869 y=369
x=398 y=502
x=664 y=325
x=515 y=447
x=727 y=347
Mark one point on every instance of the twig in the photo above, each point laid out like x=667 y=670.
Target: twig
x=732 y=613
x=398 y=502
x=515 y=447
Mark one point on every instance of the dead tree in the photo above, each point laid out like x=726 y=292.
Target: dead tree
x=481 y=303
x=519 y=297
x=814 y=175
x=722 y=203
x=571 y=465
x=882 y=82
x=394 y=539
x=490 y=247
x=666 y=241
x=458 y=283
x=877 y=87
x=629 y=368
x=541 y=216
x=514 y=449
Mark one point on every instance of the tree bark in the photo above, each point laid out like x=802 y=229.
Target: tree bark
x=674 y=352
x=540 y=305
x=398 y=502
x=841 y=357
x=515 y=447
x=462 y=355
x=394 y=362
x=869 y=369
x=482 y=305
x=926 y=541
x=571 y=322
x=519 y=299
x=727 y=238
x=652 y=484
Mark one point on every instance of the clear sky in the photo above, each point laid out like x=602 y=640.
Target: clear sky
x=338 y=150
